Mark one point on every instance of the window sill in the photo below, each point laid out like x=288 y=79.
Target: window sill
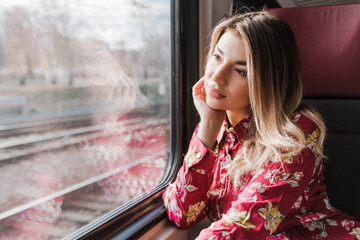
x=166 y=230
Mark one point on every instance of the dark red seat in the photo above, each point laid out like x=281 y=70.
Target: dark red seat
x=328 y=38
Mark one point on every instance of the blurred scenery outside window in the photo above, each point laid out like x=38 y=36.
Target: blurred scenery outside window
x=84 y=110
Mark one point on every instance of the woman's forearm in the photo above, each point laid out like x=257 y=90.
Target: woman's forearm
x=208 y=132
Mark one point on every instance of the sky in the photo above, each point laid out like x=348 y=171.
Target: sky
x=108 y=21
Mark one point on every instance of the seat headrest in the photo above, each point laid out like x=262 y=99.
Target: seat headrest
x=328 y=38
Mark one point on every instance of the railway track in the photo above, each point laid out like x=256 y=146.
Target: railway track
x=16 y=128
x=85 y=201
x=23 y=125
x=22 y=145
x=85 y=206
x=60 y=144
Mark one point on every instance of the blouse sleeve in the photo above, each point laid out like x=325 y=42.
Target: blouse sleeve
x=268 y=196
x=186 y=198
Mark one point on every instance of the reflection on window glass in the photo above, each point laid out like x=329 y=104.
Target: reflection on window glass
x=84 y=110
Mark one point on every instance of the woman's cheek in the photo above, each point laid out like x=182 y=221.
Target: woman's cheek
x=206 y=91
x=205 y=88
x=209 y=101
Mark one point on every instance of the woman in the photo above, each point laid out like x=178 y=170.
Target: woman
x=254 y=164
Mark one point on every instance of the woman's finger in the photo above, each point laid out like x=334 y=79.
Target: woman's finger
x=199 y=89
x=198 y=85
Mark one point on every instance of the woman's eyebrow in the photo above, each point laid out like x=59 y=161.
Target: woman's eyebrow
x=219 y=49
x=239 y=62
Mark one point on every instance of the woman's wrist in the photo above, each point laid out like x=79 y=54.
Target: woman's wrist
x=208 y=132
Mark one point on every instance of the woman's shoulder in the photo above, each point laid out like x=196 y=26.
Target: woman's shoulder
x=305 y=123
x=313 y=127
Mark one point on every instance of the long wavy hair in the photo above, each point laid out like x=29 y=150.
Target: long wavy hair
x=275 y=90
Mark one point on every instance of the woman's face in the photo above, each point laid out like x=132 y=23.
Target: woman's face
x=226 y=82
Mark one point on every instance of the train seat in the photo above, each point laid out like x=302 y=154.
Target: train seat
x=328 y=38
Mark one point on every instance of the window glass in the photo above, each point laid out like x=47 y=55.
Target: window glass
x=84 y=110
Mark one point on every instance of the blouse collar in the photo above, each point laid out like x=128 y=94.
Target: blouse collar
x=240 y=129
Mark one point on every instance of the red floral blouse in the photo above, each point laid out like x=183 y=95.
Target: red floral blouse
x=283 y=199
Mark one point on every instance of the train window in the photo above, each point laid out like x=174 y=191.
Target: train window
x=84 y=110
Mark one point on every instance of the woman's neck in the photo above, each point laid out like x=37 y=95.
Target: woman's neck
x=234 y=117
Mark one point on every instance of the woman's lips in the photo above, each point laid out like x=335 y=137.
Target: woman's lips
x=215 y=93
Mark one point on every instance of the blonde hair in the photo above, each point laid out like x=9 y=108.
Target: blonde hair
x=275 y=91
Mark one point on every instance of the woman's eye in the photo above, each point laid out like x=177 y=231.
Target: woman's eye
x=241 y=72
x=217 y=56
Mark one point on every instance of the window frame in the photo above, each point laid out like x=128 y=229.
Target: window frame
x=133 y=219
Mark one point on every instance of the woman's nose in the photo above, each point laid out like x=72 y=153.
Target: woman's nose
x=220 y=74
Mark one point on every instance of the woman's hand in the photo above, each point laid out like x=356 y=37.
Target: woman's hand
x=211 y=119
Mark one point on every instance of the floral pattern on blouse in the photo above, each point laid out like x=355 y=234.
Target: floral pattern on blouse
x=356 y=232
x=271 y=215
x=238 y=218
x=282 y=199
x=194 y=211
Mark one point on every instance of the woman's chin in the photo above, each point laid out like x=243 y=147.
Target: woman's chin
x=213 y=104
